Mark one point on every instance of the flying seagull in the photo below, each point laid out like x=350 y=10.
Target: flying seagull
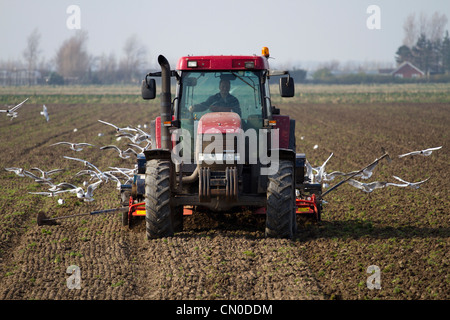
x=88 y=194
x=74 y=146
x=367 y=187
x=45 y=174
x=415 y=185
x=425 y=152
x=44 y=112
x=119 y=130
x=12 y=112
x=124 y=154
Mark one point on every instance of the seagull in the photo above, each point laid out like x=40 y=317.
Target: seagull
x=425 y=152
x=321 y=170
x=414 y=185
x=88 y=195
x=12 y=112
x=44 y=112
x=139 y=147
x=119 y=130
x=45 y=174
x=49 y=193
x=74 y=146
x=60 y=186
x=124 y=154
x=100 y=173
x=366 y=173
x=18 y=171
x=367 y=187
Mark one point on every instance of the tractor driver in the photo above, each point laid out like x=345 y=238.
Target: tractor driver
x=223 y=101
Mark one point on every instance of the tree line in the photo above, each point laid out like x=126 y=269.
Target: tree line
x=72 y=63
x=425 y=44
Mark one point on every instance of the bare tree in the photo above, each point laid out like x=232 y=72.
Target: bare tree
x=410 y=30
x=107 y=67
x=436 y=27
x=31 y=53
x=72 y=59
x=134 y=58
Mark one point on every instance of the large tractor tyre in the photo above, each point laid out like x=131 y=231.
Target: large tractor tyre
x=158 y=216
x=280 y=217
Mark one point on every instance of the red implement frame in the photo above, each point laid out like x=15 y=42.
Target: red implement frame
x=307 y=206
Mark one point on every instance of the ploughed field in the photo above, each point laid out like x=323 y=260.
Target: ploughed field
x=403 y=231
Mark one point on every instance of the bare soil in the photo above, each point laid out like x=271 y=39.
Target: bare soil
x=403 y=231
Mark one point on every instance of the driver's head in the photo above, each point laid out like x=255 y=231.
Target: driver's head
x=224 y=86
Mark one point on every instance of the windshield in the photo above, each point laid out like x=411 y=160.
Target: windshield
x=237 y=91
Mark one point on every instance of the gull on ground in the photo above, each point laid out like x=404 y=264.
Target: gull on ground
x=74 y=146
x=44 y=112
x=425 y=152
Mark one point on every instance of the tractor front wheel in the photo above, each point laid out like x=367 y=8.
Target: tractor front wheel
x=158 y=216
x=280 y=218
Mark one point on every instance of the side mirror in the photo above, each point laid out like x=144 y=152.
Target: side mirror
x=148 y=89
x=287 y=89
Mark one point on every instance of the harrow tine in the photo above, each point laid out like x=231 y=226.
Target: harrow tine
x=43 y=220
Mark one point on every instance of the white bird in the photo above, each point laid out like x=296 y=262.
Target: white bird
x=44 y=112
x=367 y=187
x=415 y=185
x=88 y=195
x=12 y=112
x=49 y=193
x=141 y=149
x=100 y=174
x=60 y=186
x=320 y=171
x=74 y=146
x=60 y=201
x=425 y=152
x=124 y=154
x=18 y=171
x=366 y=173
x=118 y=129
x=45 y=174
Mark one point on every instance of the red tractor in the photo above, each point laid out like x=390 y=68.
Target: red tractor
x=219 y=144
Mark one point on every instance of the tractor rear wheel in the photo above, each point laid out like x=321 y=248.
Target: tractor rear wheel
x=158 y=215
x=280 y=217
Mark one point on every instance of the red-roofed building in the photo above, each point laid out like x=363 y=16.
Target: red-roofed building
x=407 y=70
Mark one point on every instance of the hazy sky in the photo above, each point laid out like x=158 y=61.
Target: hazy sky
x=295 y=31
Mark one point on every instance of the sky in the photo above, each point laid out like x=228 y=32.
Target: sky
x=297 y=32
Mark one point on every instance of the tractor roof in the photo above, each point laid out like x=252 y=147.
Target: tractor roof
x=211 y=63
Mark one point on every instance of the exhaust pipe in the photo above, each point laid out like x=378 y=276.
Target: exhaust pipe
x=166 y=99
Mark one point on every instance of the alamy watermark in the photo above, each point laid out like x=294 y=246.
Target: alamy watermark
x=74 y=281
x=374 y=281
x=373 y=22
x=236 y=147
x=74 y=19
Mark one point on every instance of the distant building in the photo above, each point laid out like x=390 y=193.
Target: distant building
x=407 y=70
